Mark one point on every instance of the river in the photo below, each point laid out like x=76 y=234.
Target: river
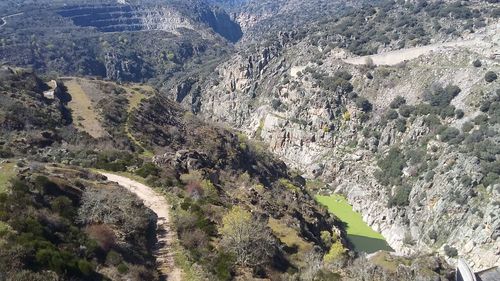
x=360 y=234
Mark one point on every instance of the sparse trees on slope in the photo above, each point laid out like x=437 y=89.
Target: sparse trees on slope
x=249 y=240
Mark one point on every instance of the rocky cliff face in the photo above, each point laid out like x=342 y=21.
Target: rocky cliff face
x=175 y=18
x=309 y=116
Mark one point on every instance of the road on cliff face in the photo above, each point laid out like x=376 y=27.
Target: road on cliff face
x=4 y=19
x=399 y=56
x=164 y=234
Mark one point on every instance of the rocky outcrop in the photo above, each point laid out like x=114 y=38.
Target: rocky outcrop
x=175 y=18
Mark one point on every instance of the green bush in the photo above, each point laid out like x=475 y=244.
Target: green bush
x=6 y=153
x=85 y=267
x=148 y=169
x=406 y=110
x=400 y=125
x=459 y=114
x=113 y=258
x=450 y=251
x=122 y=268
x=363 y=104
x=401 y=196
x=477 y=63
x=490 y=76
x=397 y=102
x=391 y=167
x=391 y=114
x=449 y=133
x=429 y=176
x=223 y=266
x=467 y=126
x=441 y=97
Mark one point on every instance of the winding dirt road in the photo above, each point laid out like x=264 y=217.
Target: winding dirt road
x=4 y=19
x=164 y=234
x=399 y=56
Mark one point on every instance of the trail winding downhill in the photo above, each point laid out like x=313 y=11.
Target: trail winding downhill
x=164 y=234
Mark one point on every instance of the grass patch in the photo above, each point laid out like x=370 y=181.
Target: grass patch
x=362 y=236
x=135 y=99
x=82 y=108
x=291 y=239
x=388 y=262
x=7 y=172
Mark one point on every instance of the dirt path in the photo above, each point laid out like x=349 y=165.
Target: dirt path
x=4 y=19
x=398 y=56
x=165 y=236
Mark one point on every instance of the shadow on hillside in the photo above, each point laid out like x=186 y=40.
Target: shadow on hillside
x=368 y=245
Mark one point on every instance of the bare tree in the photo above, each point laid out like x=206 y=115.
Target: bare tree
x=249 y=240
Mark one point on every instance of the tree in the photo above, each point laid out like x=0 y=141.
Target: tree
x=248 y=240
x=363 y=104
x=477 y=63
x=397 y=102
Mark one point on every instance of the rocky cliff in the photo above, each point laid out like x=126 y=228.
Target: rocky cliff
x=333 y=121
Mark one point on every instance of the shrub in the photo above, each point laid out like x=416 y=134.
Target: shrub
x=391 y=167
x=391 y=114
x=449 y=133
x=401 y=196
x=447 y=111
x=363 y=104
x=490 y=76
x=343 y=75
x=490 y=178
x=223 y=266
x=103 y=235
x=249 y=240
x=148 y=169
x=406 y=110
x=450 y=251
x=122 y=268
x=477 y=63
x=64 y=206
x=429 y=176
x=432 y=121
x=85 y=267
x=481 y=119
x=397 y=102
x=113 y=258
x=441 y=97
x=6 y=153
x=400 y=125
x=114 y=206
x=459 y=114
x=467 y=126
x=336 y=253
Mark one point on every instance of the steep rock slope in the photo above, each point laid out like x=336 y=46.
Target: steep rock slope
x=333 y=120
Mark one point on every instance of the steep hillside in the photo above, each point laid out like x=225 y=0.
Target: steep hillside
x=410 y=145
x=234 y=121
x=209 y=174
x=121 y=42
x=66 y=223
